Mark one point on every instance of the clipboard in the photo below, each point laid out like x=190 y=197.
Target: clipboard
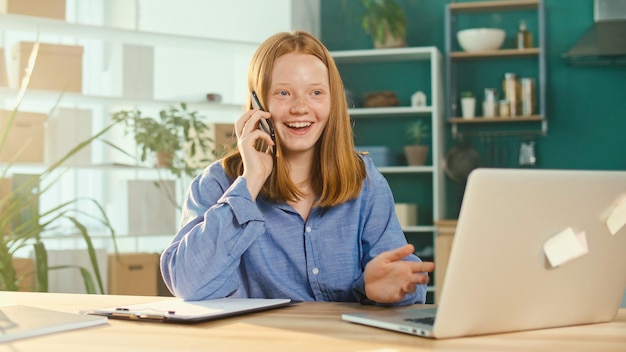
x=190 y=312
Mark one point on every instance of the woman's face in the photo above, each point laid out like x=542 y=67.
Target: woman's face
x=299 y=100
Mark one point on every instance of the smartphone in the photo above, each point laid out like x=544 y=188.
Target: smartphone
x=265 y=125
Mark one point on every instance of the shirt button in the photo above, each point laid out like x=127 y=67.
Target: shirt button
x=316 y=271
x=308 y=229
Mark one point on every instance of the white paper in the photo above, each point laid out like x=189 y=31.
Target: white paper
x=617 y=215
x=565 y=246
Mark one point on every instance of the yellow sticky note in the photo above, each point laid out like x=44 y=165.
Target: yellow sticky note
x=616 y=218
x=565 y=246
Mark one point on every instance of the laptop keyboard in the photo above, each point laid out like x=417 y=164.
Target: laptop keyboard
x=423 y=320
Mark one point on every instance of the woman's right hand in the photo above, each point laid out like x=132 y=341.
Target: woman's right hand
x=257 y=165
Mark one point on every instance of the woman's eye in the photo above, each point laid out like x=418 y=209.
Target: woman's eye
x=283 y=93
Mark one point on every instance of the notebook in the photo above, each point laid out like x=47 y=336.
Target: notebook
x=532 y=249
x=18 y=322
x=180 y=311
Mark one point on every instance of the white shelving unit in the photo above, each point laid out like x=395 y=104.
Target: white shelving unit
x=105 y=172
x=113 y=34
x=420 y=56
x=105 y=34
x=204 y=56
x=69 y=98
x=432 y=56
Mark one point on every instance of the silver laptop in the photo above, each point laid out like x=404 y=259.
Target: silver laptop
x=533 y=249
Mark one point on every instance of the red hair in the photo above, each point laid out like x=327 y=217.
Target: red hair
x=338 y=172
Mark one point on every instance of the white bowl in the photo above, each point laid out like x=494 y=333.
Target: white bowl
x=480 y=39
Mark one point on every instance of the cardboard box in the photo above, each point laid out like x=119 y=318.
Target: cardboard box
x=58 y=67
x=65 y=130
x=144 y=207
x=4 y=78
x=24 y=187
x=407 y=214
x=133 y=274
x=138 y=72
x=24 y=266
x=223 y=140
x=151 y=207
x=6 y=186
x=70 y=280
x=39 y=8
x=25 y=140
x=381 y=155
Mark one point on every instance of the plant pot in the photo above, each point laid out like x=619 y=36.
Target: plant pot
x=468 y=107
x=416 y=154
x=164 y=159
x=390 y=41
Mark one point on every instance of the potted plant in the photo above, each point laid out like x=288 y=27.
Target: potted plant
x=417 y=153
x=178 y=135
x=468 y=105
x=385 y=21
x=22 y=223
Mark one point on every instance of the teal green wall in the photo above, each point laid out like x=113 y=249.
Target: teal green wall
x=586 y=106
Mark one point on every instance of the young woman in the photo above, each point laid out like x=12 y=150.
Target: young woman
x=313 y=222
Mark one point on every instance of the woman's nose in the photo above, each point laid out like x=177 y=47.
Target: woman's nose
x=299 y=106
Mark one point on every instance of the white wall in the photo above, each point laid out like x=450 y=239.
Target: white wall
x=240 y=20
x=305 y=15
x=192 y=72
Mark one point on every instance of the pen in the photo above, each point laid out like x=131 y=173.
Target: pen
x=141 y=314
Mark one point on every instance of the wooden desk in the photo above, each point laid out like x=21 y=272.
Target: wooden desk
x=304 y=327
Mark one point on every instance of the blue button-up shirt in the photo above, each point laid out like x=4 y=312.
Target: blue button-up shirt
x=232 y=245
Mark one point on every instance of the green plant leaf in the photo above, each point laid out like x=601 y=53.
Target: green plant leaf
x=92 y=256
x=41 y=267
x=19 y=232
x=90 y=288
x=176 y=131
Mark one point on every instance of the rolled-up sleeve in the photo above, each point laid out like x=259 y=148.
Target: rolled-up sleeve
x=219 y=221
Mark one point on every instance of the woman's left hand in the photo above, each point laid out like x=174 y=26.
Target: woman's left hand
x=389 y=279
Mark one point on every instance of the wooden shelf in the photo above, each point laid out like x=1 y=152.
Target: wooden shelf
x=414 y=229
x=78 y=98
x=384 y=55
x=396 y=111
x=486 y=6
x=480 y=119
x=454 y=58
x=405 y=169
x=496 y=54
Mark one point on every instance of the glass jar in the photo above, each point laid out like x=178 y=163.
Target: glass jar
x=505 y=109
x=528 y=96
x=490 y=104
x=523 y=39
x=511 y=89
